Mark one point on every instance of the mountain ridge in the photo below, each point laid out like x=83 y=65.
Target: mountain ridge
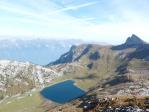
x=131 y=42
x=134 y=40
x=111 y=63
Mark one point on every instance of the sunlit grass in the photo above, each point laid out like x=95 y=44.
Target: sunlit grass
x=25 y=104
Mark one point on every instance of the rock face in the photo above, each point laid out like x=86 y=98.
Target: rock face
x=134 y=40
x=74 y=54
x=131 y=42
x=94 y=56
x=135 y=89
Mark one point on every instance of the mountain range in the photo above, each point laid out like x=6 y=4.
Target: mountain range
x=98 y=69
x=108 y=65
x=37 y=51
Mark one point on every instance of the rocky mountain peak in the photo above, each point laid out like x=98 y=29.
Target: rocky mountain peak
x=131 y=42
x=134 y=40
x=74 y=54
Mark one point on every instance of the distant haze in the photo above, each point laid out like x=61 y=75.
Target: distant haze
x=37 y=51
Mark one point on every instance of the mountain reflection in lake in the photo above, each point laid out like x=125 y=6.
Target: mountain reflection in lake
x=62 y=92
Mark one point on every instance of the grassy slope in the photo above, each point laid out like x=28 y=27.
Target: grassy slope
x=102 y=68
x=26 y=104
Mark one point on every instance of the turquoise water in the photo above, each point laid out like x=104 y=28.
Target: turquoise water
x=62 y=92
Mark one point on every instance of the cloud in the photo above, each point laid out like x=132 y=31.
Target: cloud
x=73 y=7
x=120 y=20
x=35 y=16
x=34 y=24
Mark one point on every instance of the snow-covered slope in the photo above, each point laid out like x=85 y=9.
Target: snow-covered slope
x=19 y=77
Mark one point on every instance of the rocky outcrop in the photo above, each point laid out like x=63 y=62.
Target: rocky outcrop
x=131 y=42
x=74 y=54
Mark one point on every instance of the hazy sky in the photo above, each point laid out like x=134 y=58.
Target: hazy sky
x=103 y=20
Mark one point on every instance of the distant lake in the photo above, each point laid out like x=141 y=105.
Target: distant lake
x=62 y=92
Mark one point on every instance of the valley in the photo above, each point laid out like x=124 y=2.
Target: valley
x=74 y=56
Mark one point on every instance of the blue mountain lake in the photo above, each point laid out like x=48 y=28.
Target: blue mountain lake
x=62 y=92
